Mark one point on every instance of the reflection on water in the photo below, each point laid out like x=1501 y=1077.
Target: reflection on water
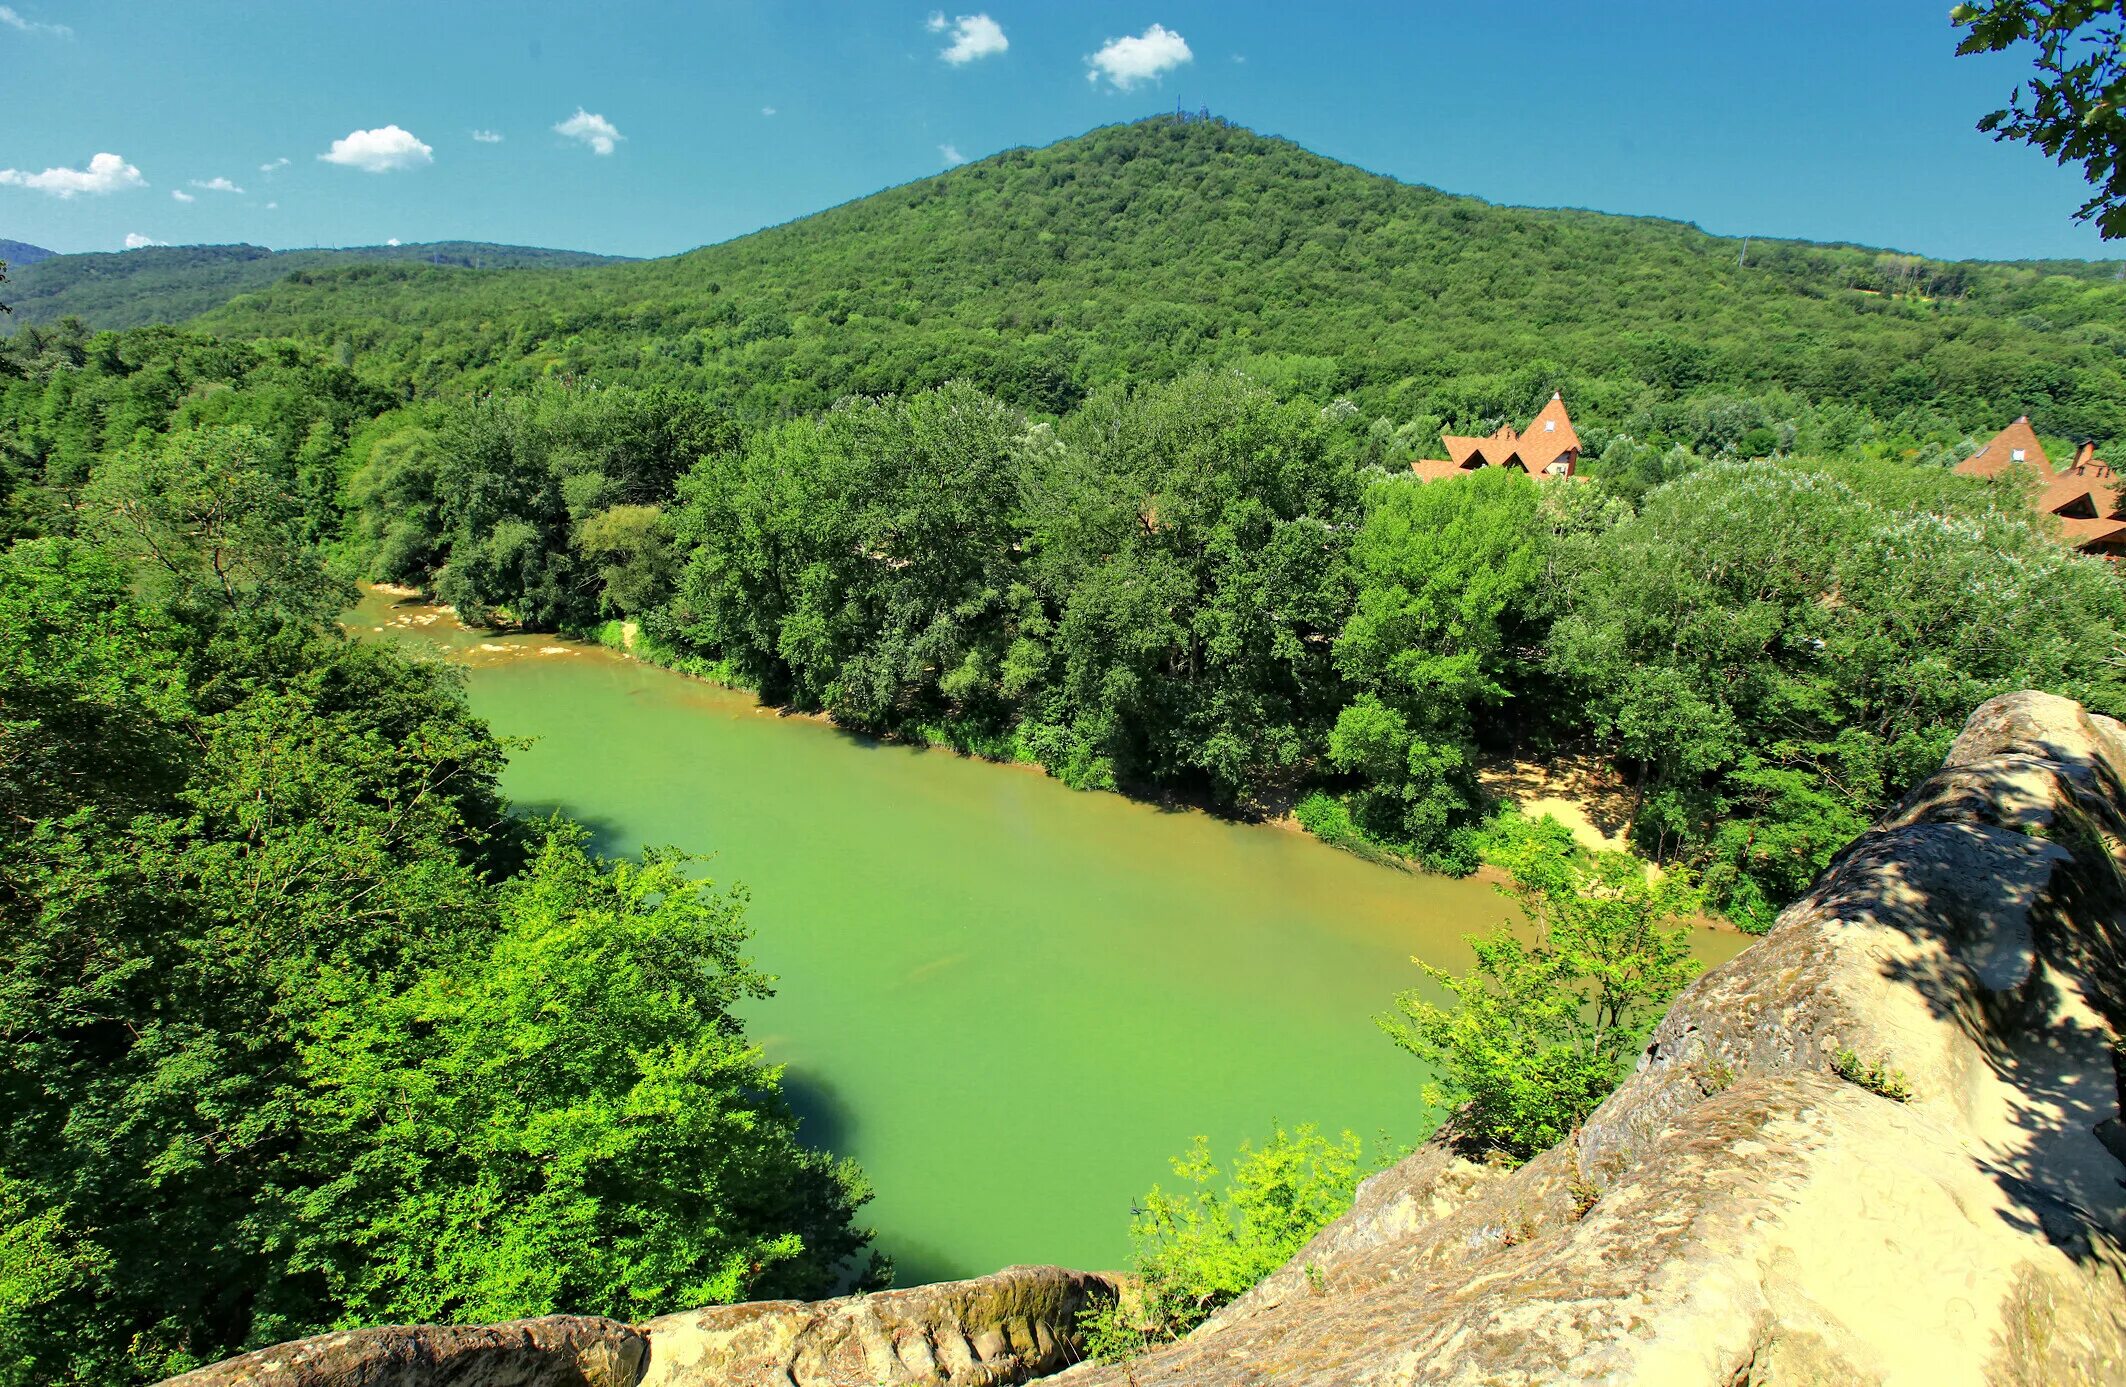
x=1010 y=1001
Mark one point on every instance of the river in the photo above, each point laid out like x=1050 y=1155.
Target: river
x=1011 y=1002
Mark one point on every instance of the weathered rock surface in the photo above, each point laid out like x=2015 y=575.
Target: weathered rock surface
x=1736 y=1215
x=557 y=1351
x=995 y=1330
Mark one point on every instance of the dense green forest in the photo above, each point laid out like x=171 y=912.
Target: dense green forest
x=1093 y=456
x=167 y=284
x=302 y=1028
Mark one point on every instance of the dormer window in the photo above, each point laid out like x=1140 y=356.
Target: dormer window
x=1551 y=426
x=2017 y=455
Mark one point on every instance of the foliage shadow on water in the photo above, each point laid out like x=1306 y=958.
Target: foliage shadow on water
x=826 y=1122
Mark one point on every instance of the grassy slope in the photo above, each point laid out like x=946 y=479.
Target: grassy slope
x=167 y=284
x=1142 y=250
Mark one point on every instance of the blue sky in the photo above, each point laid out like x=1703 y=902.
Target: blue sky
x=1833 y=121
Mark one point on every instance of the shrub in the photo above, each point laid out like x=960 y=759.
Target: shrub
x=1202 y=1247
x=1544 y=1030
x=1876 y=1078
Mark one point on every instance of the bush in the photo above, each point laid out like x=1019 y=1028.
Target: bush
x=1544 y=1030
x=1877 y=1078
x=1202 y=1248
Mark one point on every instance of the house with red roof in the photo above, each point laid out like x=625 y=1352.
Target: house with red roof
x=2085 y=494
x=1548 y=447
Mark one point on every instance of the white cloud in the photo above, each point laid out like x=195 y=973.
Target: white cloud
x=392 y=241
x=134 y=241
x=273 y=207
x=379 y=151
x=1144 y=58
x=973 y=36
x=182 y=196
x=487 y=136
x=216 y=185
x=106 y=173
x=587 y=127
x=274 y=166
x=951 y=155
x=767 y=110
x=12 y=20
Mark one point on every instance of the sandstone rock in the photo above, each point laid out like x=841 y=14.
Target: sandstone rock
x=557 y=1351
x=1738 y=1214
x=1005 y=1328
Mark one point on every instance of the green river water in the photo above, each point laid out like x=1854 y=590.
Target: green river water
x=1010 y=1001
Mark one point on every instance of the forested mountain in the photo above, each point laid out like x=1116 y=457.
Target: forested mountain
x=167 y=284
x=1142 y=251
x=20 y=254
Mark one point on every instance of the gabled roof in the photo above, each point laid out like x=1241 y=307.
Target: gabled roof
x=1435 y=469
x=2084 y=534
x=1479 y=452
x=2063 y=491
x=1552 y=423
x=1549 y=434
x=2000 y=454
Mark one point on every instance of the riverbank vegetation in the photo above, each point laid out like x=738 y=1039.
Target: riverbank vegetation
x=302 y=1027
x=1198 y=589
x=1553 y=1015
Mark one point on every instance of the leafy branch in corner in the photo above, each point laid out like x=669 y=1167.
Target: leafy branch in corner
x=2071 y=108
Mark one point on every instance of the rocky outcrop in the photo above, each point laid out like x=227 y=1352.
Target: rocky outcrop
x=1881 y=1146
x=1006 y=1328
x=996 y=1330
x=1742 y=1211
x=557 y=1351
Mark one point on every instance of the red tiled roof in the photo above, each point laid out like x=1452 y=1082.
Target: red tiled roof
x=2085 y=534
x=1548 y=437
x=2063 y=491
x=2000 y=454
x=1478 y=452
x=1552 y=425
x=1434 y=469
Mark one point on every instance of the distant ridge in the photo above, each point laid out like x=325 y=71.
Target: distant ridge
x=21 y=254
x=168 y=284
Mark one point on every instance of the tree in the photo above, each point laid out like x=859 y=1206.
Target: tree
x=1191 y=538
x=1447 y=578
x=632 y=546
x=864 y=561
x=2075 y=106
x=1542 y=1031
x=209 y=530
x=569 y=1119
x=1778 y=650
